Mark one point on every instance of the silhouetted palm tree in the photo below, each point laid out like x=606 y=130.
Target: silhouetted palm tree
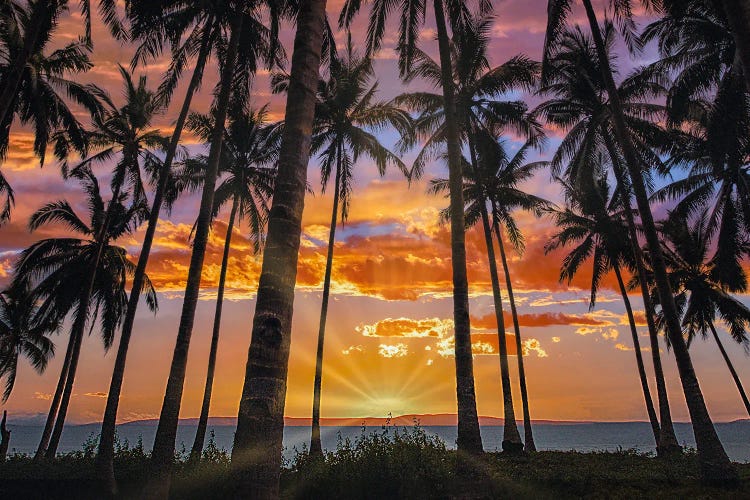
x=84 y=276
x=595 y=222
x=24 y=331
x=256 y=454
x=249 y=152
x=701 y=291
x=578 y=103
x=346 y=114
x=413 y=14
x=44 y=86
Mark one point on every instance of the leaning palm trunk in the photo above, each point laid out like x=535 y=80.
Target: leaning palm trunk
x=256 y=455
x=738 y=15
x=164 y=442
x=528 y=433
x=666 y=444
x=55 y=404
x=511 y=437
x=728 y=361
x=200 y=434
x=316 y=447
x=715 y=465
x=469 y=439
x=79 y=324
x=639 y=357
x=105 y=455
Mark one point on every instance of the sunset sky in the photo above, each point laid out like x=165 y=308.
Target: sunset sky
x=389 y=336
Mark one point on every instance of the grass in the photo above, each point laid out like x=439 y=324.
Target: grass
x=392 y=463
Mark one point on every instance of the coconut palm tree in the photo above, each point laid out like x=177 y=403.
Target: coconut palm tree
x=715 y=465
x=84 y=276
x=23 y=332
x=413 y=14
x=482 y=109
x=595 y=223
x=44 y=87
x=31 y=25
x=192 y=30
x=249 y=153
x=346 y=115
x=577 y=103
x=491 y=181
x=500 y=175
x=237 y=65
x=702 y=293
x=120 y=134
x=256 y=454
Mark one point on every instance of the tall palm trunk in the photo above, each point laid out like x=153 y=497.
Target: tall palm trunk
x=164 y=442
x=511 y=438
x=200 y=434
x=55 y=404
x=105 y=456
x=728 y=361
x=316 y=447
x=79 y=324
x=639 y=357
x=715 y=465
x=667 y=444
x=469 y=439
x=256 y=455
x=529 y=444
x=4 y=437
x=738 y=15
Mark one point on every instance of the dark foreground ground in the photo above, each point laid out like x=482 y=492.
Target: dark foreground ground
x=389 y=464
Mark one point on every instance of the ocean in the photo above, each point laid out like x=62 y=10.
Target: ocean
x=585 y=437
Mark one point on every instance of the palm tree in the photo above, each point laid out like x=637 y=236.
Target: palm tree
x=345 y=115
x=481 y=110
x=256 y=454
x=44 y=86
x=578 y=104
x=249 y=152
x=84 y=276
x=121 y=133
x=413 y=14
x=31 y=25
x=238 y=64
x=491 y=179
x=192 y=29
x=23 y=332
x=594 y=221
x=501 y=175
x=700 y=287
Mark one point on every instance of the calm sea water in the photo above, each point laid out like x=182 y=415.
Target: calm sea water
x=581 y=437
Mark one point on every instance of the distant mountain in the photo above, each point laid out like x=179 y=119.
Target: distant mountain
x=447 y=419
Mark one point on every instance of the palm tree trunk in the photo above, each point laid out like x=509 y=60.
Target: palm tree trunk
x=200 y=434
x=469 y=438
x=529 y=444
x=79 y=324
x=164 y=442
x=77 y=332
x=667 y=444
x=715 y=465
x=728 y=361
x=105 y=456
x=4 y=438
x=738 y=15
x=256 y=455
x=639 y=357
x=55 y=404
x=511 y=438
x=316 y=447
